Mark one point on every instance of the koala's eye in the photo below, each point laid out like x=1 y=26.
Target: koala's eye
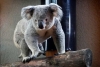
x=35 y=20
x=46 y=19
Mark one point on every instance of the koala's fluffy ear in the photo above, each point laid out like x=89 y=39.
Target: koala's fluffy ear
x=54 y=7
x=56 y=10
x=27 y=12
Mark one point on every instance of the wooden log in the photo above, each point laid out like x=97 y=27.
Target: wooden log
x=79 y=58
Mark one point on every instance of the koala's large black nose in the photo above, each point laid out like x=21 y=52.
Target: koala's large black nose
x=40 y=24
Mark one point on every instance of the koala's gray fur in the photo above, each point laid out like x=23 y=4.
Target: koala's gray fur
x=38 y=23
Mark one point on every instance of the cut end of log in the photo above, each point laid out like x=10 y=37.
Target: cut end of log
x=88 y=57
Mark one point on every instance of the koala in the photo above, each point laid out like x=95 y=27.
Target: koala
x=39 y=23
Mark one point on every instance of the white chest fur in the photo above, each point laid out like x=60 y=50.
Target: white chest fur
x=44 y=34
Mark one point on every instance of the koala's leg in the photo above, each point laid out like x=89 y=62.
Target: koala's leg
x=24 y=51
x=33 y=46
x=59 y=37
x=41 y=47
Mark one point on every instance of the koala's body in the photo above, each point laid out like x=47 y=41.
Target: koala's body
x=38 y=23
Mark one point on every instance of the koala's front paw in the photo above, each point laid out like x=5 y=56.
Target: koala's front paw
x=58 y=54
x=41 y=53
x=36 y=54
x=26 y=59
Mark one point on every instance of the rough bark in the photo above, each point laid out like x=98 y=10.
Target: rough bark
x=79 y=58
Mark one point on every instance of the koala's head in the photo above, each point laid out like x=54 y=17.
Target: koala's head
x=42 y=16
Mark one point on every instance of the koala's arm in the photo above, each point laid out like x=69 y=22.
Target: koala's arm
x=31 y=40
x=59 y=37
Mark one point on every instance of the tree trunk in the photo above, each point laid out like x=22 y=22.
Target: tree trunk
x=79 y=58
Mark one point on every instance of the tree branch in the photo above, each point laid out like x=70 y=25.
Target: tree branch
x=80 y=58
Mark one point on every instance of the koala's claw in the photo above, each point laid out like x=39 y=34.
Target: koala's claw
x=26 y=59
x=39 y=54
x=32 y=57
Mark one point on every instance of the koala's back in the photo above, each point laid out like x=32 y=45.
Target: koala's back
x=19 y=31
x=21 y=26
